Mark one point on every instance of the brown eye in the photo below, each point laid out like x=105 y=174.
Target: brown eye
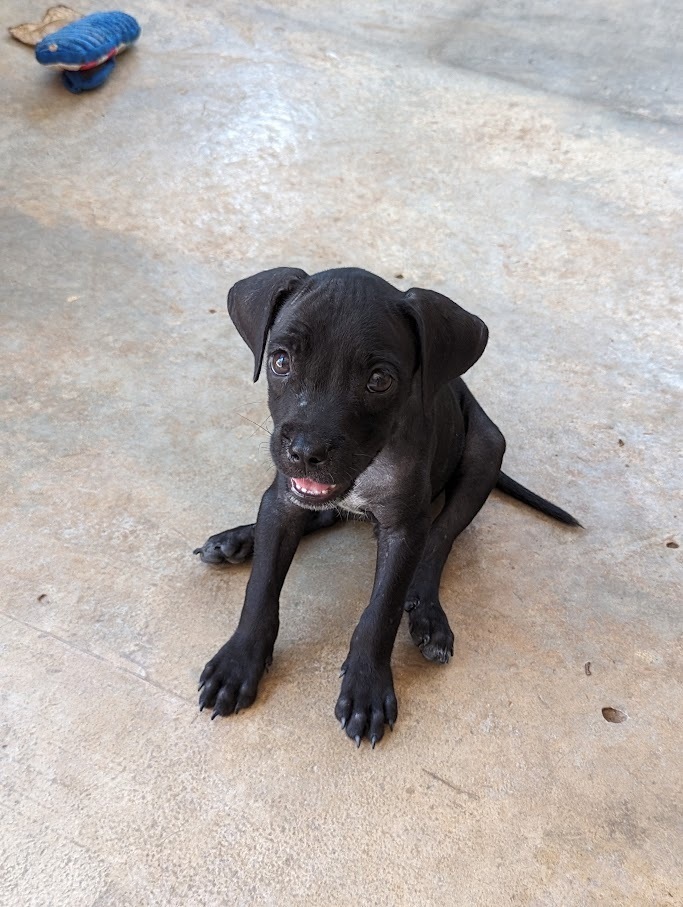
x=279 y=363
x=379 y=382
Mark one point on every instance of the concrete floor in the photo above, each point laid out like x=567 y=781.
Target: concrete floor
x=519 y=157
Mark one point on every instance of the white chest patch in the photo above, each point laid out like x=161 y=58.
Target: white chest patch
x=366 y=488
x=353 y=502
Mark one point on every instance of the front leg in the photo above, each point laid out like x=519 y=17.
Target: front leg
x=367 y=700
x=229 y=682
x=235 y=546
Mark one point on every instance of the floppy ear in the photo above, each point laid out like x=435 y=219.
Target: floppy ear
x=253 y=304
x=450 y=339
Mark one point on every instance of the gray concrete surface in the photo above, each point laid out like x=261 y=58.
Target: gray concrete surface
x=521 y=157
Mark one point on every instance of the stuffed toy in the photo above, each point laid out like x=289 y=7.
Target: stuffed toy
x=85 y=50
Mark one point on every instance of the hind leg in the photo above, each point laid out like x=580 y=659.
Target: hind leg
x=234 y=546
x=466 y=493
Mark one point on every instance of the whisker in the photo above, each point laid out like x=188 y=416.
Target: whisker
x=257 y=424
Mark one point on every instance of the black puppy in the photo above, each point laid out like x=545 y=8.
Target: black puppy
x=370 y=418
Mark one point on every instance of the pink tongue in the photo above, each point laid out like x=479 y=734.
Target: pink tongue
x=313 y=487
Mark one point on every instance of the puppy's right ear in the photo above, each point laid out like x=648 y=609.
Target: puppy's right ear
x=254 y=302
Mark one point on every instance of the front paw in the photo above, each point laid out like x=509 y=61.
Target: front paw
x=234 y=546
x=229 y=682
x=367 y=700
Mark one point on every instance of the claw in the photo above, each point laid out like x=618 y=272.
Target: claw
x=214 y=715
x=197 y=551
x=374 y=740
x=391 y=725
x=357 y=739
x=201 y=686
x=201 y=707
x=343 y=723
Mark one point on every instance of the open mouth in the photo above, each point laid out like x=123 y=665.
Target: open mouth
x=308 y=490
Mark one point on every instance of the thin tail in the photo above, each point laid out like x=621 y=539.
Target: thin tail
x=515 y=490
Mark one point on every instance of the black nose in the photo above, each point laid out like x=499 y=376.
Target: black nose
x=307 y=453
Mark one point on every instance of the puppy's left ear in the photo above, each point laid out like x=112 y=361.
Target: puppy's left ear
x=450 y=339
x=254 y=302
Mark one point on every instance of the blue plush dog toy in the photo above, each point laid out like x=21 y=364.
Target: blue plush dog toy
x=85 y=49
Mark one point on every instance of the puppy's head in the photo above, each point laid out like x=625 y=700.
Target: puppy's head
x=345 y=352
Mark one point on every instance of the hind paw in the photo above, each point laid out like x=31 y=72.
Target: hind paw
x=429 y=628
